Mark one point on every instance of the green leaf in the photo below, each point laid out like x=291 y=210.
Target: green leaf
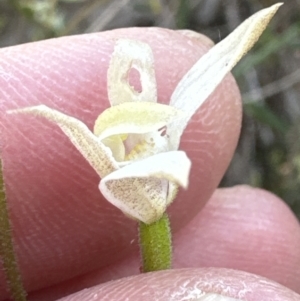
x=183 y=14
x=7 y=253
x=266 y=116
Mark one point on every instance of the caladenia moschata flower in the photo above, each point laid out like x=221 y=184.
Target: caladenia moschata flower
x=134 y=145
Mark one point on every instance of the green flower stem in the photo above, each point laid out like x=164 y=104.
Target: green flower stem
x=156 y=245
x=7 y=253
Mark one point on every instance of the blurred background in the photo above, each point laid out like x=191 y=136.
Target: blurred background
x=268 y=154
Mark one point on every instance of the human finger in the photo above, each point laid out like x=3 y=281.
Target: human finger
x=240 y=228
x=63 y=227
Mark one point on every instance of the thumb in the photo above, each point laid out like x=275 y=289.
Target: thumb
x=188 y=284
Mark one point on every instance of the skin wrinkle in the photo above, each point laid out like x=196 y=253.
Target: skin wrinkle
x=205 y=158
x=61 y=84
x=59 y=168
x=30 y=259
x=224 y=119
x=203 y=111
x=205 y=176
x=217 y=220
x=84 y=61
x=18 y=70
x=177 y=284
x=31 y=235
x=196 y=37
x=230 y=211
x=197 y=148
x=53 y=142
x=7 y=79
x=205 y=120
x=14 y=94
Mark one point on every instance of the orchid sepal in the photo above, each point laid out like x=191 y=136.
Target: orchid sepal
x=130 y=54
x=203 y=78
x=91 y=148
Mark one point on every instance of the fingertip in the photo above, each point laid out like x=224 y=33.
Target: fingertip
x=243 y=228
x=188 y=284
x=197 y=37
x=56 y=208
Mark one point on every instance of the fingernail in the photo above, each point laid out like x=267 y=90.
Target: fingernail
x=196 y=36
x=215 y=297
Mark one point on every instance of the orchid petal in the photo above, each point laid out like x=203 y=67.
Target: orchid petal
x=202 y=79
x=138 y=118
x=94 y=151
x=140 y=189
x=130 y=54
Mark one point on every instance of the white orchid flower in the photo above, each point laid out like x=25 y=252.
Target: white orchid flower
x=134 y=146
